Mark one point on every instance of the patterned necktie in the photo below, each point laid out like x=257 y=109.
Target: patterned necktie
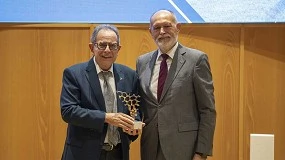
x=109 y=97
x=162 y=75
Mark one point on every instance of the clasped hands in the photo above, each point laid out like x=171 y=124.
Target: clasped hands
x=123 y=121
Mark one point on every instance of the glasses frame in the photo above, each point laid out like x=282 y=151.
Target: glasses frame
x=108 y=45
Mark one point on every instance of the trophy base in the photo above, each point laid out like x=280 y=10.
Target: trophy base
x=138 y=125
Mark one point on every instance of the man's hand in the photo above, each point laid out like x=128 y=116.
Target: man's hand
x=134 y=132
x=198 y=157
x=121 y=120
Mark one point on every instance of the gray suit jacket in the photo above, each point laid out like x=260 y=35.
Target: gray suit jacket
x=183 y=122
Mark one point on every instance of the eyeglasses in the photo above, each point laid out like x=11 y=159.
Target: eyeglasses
x=103 y=46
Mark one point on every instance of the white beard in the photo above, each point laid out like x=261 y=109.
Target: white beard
x=165 y=45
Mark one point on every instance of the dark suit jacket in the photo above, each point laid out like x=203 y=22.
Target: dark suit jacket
x=184 y=119
x=83 y=108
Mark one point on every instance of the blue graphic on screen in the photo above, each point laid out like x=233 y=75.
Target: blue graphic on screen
x=132 y=11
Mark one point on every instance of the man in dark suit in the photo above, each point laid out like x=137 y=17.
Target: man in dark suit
x=177 y=95
x=99 y=125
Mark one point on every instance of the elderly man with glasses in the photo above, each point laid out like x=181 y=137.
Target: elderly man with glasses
x=99 y=124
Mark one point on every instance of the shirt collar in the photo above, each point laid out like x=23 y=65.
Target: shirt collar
x=98 y=69
x=170 y=53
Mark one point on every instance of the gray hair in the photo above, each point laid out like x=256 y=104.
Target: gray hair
x=104 y=27
x=165 y=10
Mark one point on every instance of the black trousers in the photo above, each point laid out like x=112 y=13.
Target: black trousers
x=115 y=154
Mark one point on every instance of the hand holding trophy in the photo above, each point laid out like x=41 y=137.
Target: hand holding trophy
x=132 y=102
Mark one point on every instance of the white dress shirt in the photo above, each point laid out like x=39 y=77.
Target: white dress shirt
x=155 y=74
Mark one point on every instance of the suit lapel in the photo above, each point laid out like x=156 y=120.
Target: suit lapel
x=148 y=74
x=176 y=65
x=93 y=79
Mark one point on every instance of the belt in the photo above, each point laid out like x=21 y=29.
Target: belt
x=110 y=147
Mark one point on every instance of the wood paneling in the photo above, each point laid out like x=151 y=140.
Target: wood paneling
x=264 y=85
x=32 y=60
x=247 y=62
x=134 y=41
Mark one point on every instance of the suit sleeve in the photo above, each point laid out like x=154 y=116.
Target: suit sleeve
x=135 y=91
x=71 y=110
x=204 y=90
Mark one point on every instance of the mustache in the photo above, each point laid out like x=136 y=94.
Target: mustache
x=162 y=37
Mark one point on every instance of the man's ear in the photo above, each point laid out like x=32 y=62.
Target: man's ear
x=119 y=47
x=91 y=46
x=178 y=26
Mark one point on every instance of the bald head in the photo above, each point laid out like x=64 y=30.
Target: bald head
x=165 y=14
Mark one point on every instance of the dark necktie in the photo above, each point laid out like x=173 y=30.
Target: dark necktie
x=109 y=97
x=162 y=75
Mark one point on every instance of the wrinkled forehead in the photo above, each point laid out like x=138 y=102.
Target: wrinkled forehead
x=162 y=17
x=106 y=35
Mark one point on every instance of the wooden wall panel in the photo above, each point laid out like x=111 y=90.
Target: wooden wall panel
x=32 y=60
x=135 y=41
x=264 y=85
